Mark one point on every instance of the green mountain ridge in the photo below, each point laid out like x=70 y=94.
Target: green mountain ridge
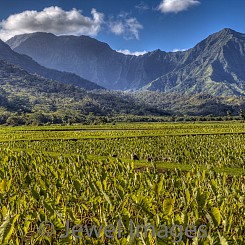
x=205 y=80
x=214 y=66
x=34 y=98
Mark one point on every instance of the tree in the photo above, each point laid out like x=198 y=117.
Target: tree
x=229 y=115
x=241 y=114
x=15 y=120
x=37 y=118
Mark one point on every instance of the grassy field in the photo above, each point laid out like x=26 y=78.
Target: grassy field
x=188 y=174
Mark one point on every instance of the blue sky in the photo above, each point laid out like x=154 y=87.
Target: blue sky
x=133 y=25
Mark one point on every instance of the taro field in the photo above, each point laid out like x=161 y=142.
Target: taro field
x=148 y=183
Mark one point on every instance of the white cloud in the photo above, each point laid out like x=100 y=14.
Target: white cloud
x=177 y=50
x=142 y=7
x=52 y=19
x=175 y=6
x=128 y=52
x=117 y=28
x=126 y=26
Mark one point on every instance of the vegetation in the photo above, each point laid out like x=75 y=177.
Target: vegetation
x=187 y=174
x=30 y=99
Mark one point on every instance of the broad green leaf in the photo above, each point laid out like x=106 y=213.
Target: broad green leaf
x=7 y=228
x=168 y=205
x=215 y=214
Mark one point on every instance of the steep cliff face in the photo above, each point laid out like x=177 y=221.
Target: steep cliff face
x=94 y=60
x=27 y=63
x=80 y=55
x=215 y=65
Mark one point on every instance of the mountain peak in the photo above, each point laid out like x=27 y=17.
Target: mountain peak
x=228 y=31
x=156 y=52
x=38 y=34
x=46 y=38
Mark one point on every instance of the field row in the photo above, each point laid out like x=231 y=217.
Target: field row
x=214 y=150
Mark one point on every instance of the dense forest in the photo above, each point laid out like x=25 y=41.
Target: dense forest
x=31 y=99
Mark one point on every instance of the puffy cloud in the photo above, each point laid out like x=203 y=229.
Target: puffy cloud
x=175 y=6
x=128 y=52
x=52 y=19
x=60 y=22
x=117 y=28
x=126 y=26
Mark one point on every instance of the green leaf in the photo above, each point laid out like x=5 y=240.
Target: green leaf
x=78 y=185
x=160 y=185
x=187 y=197
x=2 y=186
x=99 y=185
x=7 y=228
x=35 y=194
x=4 y=211
x=27 y=224
x=168 y=205
x=107 y=198
x=48 y=206
x=215 y=214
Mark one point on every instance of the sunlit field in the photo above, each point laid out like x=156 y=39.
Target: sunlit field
x=138 y=183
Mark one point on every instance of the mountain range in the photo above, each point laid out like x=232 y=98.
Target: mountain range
x=46 y=76
x=214 y=66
